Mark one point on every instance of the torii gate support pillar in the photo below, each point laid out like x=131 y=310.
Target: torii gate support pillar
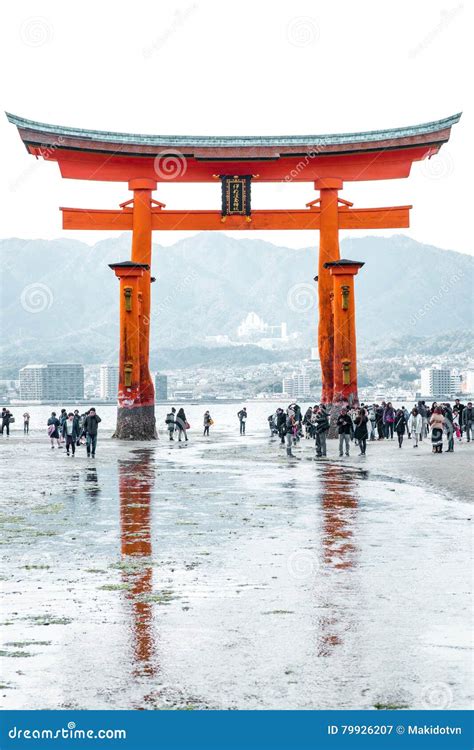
x=135 y=420
x=345 y=351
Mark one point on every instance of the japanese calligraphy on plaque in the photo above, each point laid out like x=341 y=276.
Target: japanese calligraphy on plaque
x=236 y=195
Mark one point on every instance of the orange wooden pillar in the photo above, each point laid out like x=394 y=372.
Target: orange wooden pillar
x=129 y=394
x=328 y=252
x=345 y=351
x=141 y=254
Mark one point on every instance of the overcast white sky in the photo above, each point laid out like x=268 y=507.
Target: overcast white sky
x=245 y=67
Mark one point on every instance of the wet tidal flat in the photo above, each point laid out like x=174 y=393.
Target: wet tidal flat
x=221 y=575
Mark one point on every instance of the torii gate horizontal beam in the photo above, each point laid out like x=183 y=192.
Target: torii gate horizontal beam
x=165 y=220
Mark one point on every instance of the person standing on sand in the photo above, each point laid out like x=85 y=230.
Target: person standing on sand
x=207 y=421
x=467 y=420
x=26 y=423
x=437 y=425
x=321 y=431
x=400 y=424
x=170 y=422
x=70 y=433
x=53 y=430
x=291 y=426
x=415 y=426
x=91 y=428
x=345 y=428
x=379 y=419
x=449 y=428
x=181 y=425
x=242 y=416
x=361 y=432
x=388 y=420
x=281 y=424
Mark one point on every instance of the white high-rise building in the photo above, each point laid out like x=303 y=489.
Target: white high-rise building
x=436 y=382
x=109 y=382
x=52 y=382
x=297 y=385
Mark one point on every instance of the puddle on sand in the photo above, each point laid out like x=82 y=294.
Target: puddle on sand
x=191 y=583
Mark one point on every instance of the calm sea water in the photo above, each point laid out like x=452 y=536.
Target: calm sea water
x=224 y=415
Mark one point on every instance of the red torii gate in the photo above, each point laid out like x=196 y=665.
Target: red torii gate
x=144 y=160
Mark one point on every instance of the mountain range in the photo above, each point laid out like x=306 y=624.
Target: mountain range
x=59 y=300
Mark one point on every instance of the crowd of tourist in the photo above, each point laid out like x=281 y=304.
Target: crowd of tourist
x=437 y=422
x=374 y=422
x=68 y=430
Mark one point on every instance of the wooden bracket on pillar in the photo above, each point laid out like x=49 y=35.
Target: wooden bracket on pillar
x=345 y=296
x=127 y=293
x=346 y=371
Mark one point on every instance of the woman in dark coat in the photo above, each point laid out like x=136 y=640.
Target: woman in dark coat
x=181 y=424
x=361 y=432
x=400 y=424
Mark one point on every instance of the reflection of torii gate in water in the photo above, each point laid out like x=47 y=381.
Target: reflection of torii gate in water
x=143 y=160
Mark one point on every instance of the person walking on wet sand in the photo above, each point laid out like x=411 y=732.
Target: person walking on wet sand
x=53 y=429
x=208 y=421
x=170 y=422
x=242 y=415
x=70 y=433
x=388 y=420
x=467 y=420
x=400 y=424
x=291 y=425
x=91 y=428
x=321 y=431
x=345 y=429
x=361 y=432
x=437 y=425
x=449 y=428
x=181 y=425
x=415 y=426
x=6 y=419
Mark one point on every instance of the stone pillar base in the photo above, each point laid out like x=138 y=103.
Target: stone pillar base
x=137 y=423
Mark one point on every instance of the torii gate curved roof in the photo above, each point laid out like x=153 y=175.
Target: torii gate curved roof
x=101 y=155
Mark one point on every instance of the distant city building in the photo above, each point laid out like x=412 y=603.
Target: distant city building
x=456 y=382
x=109 y=382
x=436 y=381
x=253 y=329
x=296 y=386
x=161 y=387
x=184 y=395
x=52 y=382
